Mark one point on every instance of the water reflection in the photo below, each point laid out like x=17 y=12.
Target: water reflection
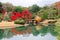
x=36 y=30
x=31 y=37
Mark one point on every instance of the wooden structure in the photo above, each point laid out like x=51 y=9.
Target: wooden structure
x=46 y=22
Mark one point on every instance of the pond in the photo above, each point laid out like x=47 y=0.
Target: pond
x=32 y=32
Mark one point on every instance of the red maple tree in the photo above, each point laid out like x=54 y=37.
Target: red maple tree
x=57 y=6
x=25 y=14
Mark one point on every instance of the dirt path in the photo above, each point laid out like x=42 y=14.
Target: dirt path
x=5 y=24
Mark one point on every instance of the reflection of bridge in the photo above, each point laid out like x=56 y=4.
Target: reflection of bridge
x=44 y=22
x=5 y=24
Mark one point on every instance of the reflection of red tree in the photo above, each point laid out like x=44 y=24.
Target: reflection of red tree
x=25 y=14
x=15 y=31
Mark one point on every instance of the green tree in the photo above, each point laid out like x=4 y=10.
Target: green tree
x=44 y=13
x=19 y=9
x=0 y=7
x=34 y=9
x=52 y=13
x=45 y=7
x=57 y=29
x=8 y=7
x=59 y=13
x=0 y=4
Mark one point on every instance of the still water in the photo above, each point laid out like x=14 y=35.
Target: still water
x=48 y=36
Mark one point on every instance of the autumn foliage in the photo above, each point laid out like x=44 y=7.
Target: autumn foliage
x=57 y=4
x=24 y=14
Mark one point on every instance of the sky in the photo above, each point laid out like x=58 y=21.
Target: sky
x=27 y=3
